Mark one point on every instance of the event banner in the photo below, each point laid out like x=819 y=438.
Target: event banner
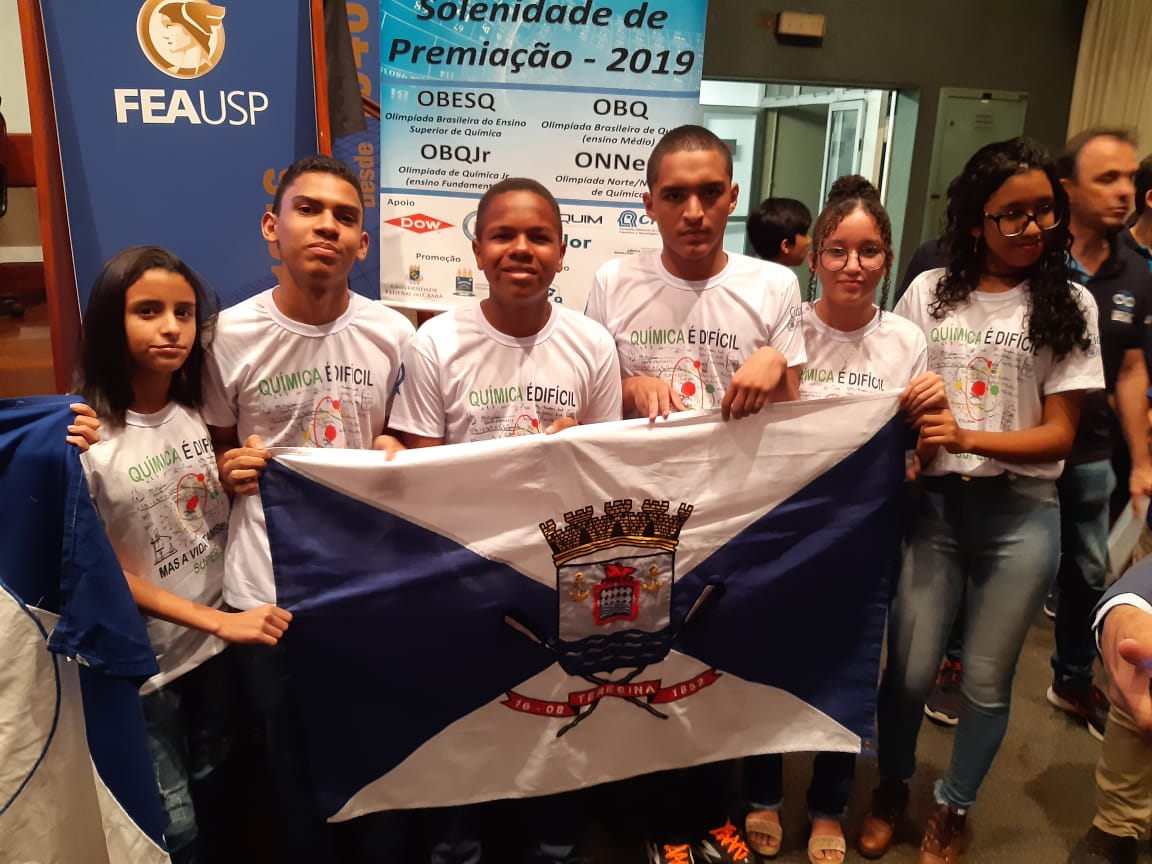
x=535 y=614
x=361 y=149
x=572 y=93
x=176 y=118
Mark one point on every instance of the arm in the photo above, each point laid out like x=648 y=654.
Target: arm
x=923 y=394
x=925 y=453
x=763 y=378
x=1126 y=649
x=1132 y=409
x=644 y=396
x=1048 y=442
x=240 y=467
x=263 y=625
x=789 y=388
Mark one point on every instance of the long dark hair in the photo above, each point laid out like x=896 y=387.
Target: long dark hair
x=104 y=375
x=1054 y=317
x=847 y=195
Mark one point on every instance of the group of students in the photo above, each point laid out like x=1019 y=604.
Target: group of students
x=993 y=353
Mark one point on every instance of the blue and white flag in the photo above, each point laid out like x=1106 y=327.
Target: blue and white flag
x=530 y=615
x=76 y=779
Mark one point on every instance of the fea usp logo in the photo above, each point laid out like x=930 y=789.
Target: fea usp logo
x=181 y=38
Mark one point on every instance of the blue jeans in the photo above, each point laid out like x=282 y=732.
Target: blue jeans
x=1085 y=493
x=991 y=545
x=832 y=775
x=188 y=722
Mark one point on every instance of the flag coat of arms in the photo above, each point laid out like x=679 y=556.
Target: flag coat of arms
x=530 y=615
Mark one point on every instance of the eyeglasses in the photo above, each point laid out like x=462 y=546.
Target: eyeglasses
x=835 y=258
x=1014 y=224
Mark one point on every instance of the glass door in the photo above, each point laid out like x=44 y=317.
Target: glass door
x=844 y=141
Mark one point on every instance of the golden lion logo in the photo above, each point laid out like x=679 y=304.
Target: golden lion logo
x=181 y=38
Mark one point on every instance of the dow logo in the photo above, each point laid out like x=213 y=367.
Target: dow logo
x=418 y=223
x=181 y=38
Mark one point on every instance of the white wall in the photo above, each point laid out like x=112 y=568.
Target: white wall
x=19 y=229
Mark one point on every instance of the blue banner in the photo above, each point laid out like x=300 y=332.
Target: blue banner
x=176 y=130
x=361 y=150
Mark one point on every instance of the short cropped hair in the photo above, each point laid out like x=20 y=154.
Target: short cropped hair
x=1066 y=163
x=1143 y=185
x=686 y=138
x=319 y=164
x=773 y=222
x=516 y=184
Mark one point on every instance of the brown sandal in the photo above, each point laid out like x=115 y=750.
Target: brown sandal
x=767 y=823
x=826 y=843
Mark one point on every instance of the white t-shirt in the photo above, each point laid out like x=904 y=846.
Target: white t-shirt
x=296 y=385
x=994 y=381
x=884 y=354
x=155 y=484
x=466 y=381
x=695 y=335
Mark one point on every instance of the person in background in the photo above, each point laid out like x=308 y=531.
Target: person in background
x=1097 y=170
x=988 y=523
x=1139 y=233
x=778 y=231
x=1123 y=625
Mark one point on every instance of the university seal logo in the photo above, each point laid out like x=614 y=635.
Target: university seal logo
x=181 y=38
x=615 y=574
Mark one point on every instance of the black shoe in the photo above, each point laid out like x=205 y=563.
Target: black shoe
x=944 y=702
x=670 y=853
x=544 y=853
x=1085 y=702
x=1099 y=847
x=723 y=845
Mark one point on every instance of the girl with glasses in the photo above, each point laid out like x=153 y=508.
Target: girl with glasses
x=853 y=348
x=1016 y=344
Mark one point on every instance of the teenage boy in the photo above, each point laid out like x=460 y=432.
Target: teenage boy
x=564 y=370
x=778 y=231
x=697 y=327
x=306 y=363
x=1097 y=171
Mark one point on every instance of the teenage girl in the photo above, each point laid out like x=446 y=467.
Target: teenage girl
x=154 y=480
x=1017 y=345
x=848 y=339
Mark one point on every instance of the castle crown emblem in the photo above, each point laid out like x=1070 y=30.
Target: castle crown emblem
x=650 y=527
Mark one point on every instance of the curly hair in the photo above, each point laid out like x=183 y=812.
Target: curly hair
x=1054 y=317
x=847 y=195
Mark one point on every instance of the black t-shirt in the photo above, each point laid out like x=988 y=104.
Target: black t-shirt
x=1122 y=288
x=928 y=256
